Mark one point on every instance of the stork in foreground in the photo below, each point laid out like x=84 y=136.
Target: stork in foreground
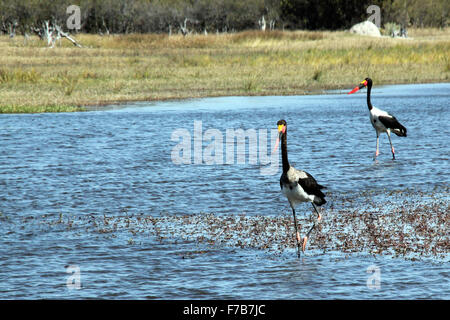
x=297 y=185
x=381 y=120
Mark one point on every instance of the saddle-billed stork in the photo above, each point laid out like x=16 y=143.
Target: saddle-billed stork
x=298 y=185
x=381 y=120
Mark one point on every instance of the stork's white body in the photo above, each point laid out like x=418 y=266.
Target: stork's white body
x=293 y=190
x=376 y=123
x=382 y=121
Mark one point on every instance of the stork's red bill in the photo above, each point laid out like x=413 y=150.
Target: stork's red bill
x=360 y=86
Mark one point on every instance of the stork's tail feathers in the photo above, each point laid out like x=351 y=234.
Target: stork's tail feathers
x=319 y=197
x=400 y=131
x=319 y=200
x=390 y=122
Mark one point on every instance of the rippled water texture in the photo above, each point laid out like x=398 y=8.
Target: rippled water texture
x=62 y=175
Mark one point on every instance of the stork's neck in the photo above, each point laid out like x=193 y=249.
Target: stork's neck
x=284 y=155
x=369 y=104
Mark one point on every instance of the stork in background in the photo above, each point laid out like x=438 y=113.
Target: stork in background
x=381 y=120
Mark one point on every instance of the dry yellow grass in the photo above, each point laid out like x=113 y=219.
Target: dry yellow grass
x=111 y=69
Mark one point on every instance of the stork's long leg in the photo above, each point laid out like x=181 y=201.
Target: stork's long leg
x=392 y=147
x=319 y=216
x=305 y=238
x=297 y=235
x=377 y=152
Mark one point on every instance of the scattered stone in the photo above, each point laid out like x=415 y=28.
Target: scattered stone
x=366 y=28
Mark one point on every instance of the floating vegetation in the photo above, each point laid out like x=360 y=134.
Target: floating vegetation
x=404 y=223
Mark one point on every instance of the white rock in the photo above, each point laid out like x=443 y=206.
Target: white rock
x=366 y=28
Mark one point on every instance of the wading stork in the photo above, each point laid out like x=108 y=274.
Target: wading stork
x=381 y=120
x=298 y=185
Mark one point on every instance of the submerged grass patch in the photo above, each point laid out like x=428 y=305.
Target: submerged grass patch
x=402 y=223
x=117 y=68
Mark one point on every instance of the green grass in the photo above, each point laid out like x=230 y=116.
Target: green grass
x=40 y=109
x=118 y=68
x=18 y=76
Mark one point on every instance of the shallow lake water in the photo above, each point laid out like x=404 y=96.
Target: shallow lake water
x=159 y=158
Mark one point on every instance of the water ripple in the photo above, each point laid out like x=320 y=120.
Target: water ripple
x=81 y=167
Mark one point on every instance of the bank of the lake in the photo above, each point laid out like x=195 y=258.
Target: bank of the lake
x=147 y=67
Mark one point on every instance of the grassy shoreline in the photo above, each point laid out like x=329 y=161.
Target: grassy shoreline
x=148 y=67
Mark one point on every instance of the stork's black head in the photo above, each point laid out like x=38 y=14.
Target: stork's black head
x=281 y=123
x=281 y=131
x=281 y=127
x=367 y=82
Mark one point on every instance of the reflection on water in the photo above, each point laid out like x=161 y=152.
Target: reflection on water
x=118 y=163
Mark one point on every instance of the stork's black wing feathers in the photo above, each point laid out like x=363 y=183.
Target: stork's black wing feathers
x=393 y=124
x=311 y=186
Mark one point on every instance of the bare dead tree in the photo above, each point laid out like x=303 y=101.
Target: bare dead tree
x=272 y=24
x=262 y=23
x=106 y=28
x=47 y=33
x=183 y=28
x=53 y=33
x=12 y=28
x=67 y=36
